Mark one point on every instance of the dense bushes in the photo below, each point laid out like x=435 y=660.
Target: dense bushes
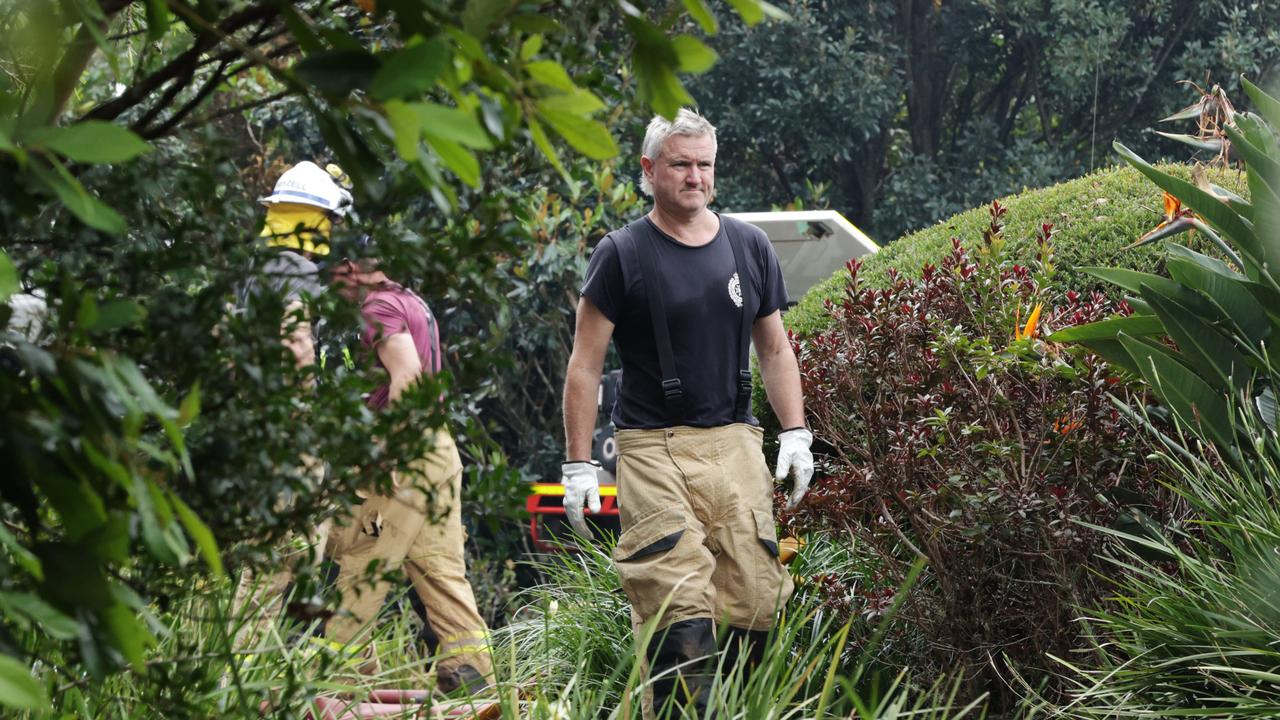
x=955 y=434
x=1094 y=217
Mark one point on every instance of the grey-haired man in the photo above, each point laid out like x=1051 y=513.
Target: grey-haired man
x=683 y=292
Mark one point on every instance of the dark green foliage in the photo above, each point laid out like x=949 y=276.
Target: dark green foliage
x=1095 y=218
x=911 y=111
x=127 y=186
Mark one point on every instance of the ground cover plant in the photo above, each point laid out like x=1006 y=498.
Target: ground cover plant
x=956 y=434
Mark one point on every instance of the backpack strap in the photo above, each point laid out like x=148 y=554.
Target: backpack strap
x=742 y=405
x=672 y=392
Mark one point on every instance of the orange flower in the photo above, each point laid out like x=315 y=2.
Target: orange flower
x=1033 y=321
x=1172 y=207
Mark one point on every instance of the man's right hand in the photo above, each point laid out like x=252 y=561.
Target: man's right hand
x=581 y=485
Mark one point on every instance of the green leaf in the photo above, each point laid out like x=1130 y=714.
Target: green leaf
x=1236 y=230
x=1198 y=407
x=87 y=313
x=1108 y=329
x=544 y=144
x=199 y=533
x=21 y=555
x=749 y=10
x=587 y=136
x=695 y=56
x=189 y=408
x=73 y=578
x=88 y=209
x=702 y=14
x=127 y=634
x=110 y=541
x=578 y=102
x=406 y=127
x=1130 y=280
x=453 y=124
x=18 y=689
x=1267 y=106
x=92 y=141
x=157 y=19
x=338 y=72
x=1224 y=287
x=79 y=507
x=534 y=23
x=1204 y=347
x=8 y=277
x=411 y=71
x=117 y=314
x=480 y=15
x=530 y=47
x=457 y=158
x=50 y=619
x=660 y=87
x=1249 y=128
x=550 y=73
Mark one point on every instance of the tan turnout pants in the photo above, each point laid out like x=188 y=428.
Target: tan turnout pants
x=696 y=507
x=263 y=594
x=419 y=529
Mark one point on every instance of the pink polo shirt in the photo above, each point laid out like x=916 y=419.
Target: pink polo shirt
x=391 y=310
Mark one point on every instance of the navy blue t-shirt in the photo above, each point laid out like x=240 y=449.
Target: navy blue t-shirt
x=703 y=303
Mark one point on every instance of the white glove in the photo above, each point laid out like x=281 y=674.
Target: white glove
x=581 y=484
x=794 y=455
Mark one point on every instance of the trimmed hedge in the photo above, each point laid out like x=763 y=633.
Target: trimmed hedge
x=1094 y=218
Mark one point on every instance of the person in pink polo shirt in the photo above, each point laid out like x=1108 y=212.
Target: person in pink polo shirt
x=418 y=526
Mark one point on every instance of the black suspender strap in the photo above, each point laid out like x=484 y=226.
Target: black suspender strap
x=672 y=392
x=742 y=406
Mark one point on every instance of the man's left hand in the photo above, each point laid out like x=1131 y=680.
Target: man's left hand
x=795 y=456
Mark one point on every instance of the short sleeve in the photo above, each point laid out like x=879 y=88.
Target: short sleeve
x=773 y=293
x=603 y=285
x=382 y=318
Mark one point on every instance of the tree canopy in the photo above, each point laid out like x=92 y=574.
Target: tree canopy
x=906 y=112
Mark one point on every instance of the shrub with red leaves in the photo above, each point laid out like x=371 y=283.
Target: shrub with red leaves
x=955 y=433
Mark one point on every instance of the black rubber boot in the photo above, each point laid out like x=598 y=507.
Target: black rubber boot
x=690 y=646
x=460 y=681
x=745 y=647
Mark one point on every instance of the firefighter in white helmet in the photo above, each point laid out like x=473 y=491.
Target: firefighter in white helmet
x=301 y=210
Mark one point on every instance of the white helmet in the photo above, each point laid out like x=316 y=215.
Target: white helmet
x=307 y=184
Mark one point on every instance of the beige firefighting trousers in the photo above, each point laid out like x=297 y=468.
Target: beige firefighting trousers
x=259 y=597
x=419 y=528
x=696 y=506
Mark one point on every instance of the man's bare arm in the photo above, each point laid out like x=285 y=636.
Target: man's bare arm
x=779 y=370
x=400 y=357
x=582 y=380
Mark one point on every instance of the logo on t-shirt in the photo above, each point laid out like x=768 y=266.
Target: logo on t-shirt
x=735 y=290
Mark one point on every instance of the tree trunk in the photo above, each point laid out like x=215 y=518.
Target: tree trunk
x=928 y=76
x=862 y=174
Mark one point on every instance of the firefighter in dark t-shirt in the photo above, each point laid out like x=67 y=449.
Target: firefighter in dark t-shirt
x=698 y=544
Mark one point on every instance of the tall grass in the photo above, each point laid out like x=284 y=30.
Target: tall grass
x=567 y=654
x=1194 y=627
